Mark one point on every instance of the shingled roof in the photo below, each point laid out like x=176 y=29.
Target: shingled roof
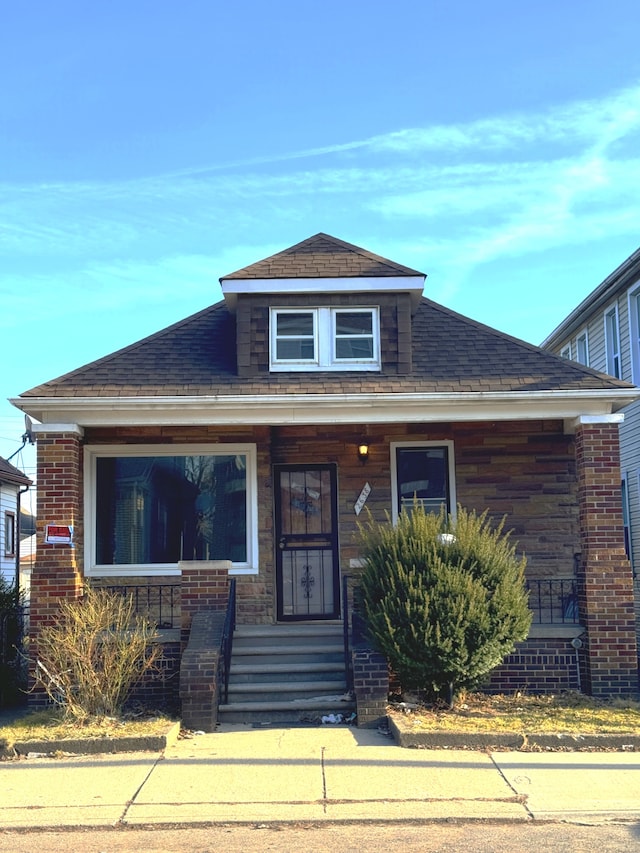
x=10 y=474
x=322 y=256
x=451 y=354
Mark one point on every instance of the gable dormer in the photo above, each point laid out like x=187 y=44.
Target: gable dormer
x=323 y=305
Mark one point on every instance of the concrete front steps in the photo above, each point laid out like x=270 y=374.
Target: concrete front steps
x=292 y=673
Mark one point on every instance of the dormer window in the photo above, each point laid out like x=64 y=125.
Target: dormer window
x=325 y=339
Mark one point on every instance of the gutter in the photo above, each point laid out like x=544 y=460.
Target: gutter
x=18 y=519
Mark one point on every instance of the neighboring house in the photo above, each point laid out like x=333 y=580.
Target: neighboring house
x=603 y=332
x=256 y=430
x=12 y=483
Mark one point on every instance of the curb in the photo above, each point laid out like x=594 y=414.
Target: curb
x=413 y=739
x=92 y=746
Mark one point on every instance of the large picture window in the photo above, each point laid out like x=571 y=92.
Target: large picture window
x=152 y=509
x=423 y=473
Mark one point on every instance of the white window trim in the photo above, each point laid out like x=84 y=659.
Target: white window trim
x=394 y=472
x=612 y=342
x=9 y=534
x=565 y=352
x=324 y=324
x=634 y=333
x=582 y=335
x=94 y=452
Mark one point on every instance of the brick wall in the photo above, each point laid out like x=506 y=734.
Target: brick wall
x=160 y=687
x=370 y=686
x=538 y=665
x=605 y=582
x=57 y=571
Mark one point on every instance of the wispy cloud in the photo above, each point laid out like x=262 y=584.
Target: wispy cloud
x=465 y=193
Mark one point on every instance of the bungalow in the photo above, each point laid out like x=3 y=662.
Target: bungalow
x=245 y=440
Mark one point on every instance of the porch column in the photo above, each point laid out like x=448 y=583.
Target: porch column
x=58 y=570
x=605 y=582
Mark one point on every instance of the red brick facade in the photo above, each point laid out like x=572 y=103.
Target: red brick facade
x=605 y=582
x=561 y=495
x=57 y=573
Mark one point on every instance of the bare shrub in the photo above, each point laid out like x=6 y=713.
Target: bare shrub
x=95 y=653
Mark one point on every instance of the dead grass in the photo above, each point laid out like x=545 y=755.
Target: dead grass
x=562 y=713
x=48 y=725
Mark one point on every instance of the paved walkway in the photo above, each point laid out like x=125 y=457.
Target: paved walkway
x=249 y=775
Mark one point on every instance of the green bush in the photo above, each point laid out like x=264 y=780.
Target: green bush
x=13 y=677
x=444 y=598
x=94 y=654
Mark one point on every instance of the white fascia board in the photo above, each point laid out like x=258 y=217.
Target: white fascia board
x=355 y=284
x=72 y=428
x=278 y=410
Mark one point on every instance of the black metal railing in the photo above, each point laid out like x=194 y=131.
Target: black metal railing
x=226 y=644
x=159 y=602
x=553 y=601
x=13 y=654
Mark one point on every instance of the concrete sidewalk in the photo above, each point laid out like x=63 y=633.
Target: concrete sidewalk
x=249 y=775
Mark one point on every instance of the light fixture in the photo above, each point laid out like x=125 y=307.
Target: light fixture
x=363 y=451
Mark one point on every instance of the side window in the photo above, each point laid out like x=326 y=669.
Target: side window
x=582 y=348
x=9 y=534
x=612 y=342
x=423 y=473
x=634 y=333
x=565 y=352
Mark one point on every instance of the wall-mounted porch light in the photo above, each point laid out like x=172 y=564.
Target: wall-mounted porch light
x=363 y=451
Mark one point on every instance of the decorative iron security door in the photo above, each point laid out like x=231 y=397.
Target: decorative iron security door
x=306 y=542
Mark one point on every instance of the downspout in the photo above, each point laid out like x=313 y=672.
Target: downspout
x=20 y=492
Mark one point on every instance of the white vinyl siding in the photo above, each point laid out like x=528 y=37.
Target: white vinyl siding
x=8 y=530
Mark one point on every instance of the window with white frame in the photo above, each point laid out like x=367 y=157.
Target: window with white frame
x=565 y=352
x=9 y=534
x=634 y=333
x=150 y=507
x=324 y=339
x=582 y=348
x=423 y=473
x=612 y=342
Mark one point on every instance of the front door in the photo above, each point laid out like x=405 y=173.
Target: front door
x=307 y=576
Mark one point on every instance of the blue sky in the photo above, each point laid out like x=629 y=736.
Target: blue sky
x=147 y=148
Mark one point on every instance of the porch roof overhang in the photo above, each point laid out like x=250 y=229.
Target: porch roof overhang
x=283 y=409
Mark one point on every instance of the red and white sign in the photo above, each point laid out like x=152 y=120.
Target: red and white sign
x=58 y=534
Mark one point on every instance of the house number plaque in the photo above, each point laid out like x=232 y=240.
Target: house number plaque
x=364 y=494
